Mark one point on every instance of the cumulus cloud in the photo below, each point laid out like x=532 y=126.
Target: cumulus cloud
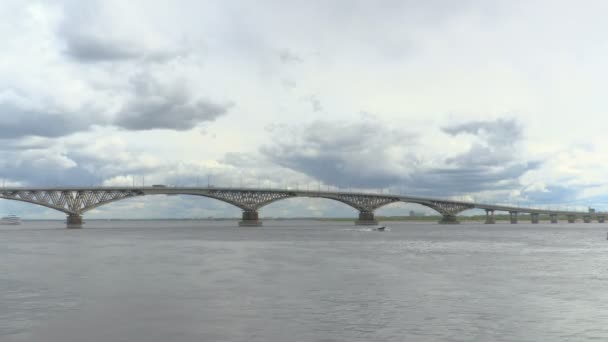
x=151 y=106
x=158 y=106
x=42 y=168
x=370 y=154
x=18 y=121
x=94 y=32
x=344 y=154
x=552 y=194
x=491 y=163
x=496 y=143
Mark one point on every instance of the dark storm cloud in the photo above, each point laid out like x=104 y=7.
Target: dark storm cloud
x=19 y=122
x=155 y=106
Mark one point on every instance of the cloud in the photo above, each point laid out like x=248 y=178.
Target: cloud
x=315 y=103
x=42 y=168
x=495 y=144
x=369 y=154
x=151 y=105
x=95 y=32
x=552 y=194
x=158 y=106
x=344 y=154
x=91 y=49
x=94 y=49
x=287 y=56
x=491 y=163
x=18 y=121
x=466 y=179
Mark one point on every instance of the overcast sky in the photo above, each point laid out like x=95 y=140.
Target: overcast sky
x=496 y=101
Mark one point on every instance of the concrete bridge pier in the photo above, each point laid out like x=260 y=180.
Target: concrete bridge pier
x=490 y=219
x=250 y=219
x=366 y=218
x=571 y=218
x=553 y=218
x=513 y=216
x=587 y=218
x=534 y=218
x=601 y=218
x=74 y=221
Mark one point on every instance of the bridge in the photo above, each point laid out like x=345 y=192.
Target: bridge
x=75 y=201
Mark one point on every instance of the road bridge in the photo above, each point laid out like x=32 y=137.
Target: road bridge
x=76 y=201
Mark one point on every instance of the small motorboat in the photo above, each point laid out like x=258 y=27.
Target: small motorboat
x=380 y=229
x=10 y=220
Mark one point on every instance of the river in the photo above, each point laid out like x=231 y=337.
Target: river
x=302 y=281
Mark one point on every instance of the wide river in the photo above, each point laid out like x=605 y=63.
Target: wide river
x=165 y=281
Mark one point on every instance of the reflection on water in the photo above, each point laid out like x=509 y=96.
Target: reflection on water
x=302 y=281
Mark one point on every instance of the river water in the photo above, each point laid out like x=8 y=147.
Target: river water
x=302 y=281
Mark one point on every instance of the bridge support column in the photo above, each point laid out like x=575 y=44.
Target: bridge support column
x=513 y=217
x=449 y=219
x=490 y=216
x=601 y=218
x=587 y=218
x=553 y=218
x=74 y=221
x=534 y=218
x=250 y=219
x=571 y=218
x=366 y=218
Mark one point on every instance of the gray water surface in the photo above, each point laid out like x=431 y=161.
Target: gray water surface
x=302 y=281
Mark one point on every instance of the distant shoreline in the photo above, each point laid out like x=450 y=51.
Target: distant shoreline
x=475 y=218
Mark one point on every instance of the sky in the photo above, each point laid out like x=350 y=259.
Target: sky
x=490 y=101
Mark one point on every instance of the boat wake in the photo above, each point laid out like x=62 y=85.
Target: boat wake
x=370 y=229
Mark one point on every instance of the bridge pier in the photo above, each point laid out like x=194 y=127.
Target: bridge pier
x=601 y=218
x=449 y=219
x=490 y=216
x=513 y=217
x=366 y=218
x=250 y=219
x=587 y=218
x=571 y=218
x=553 y=218
x=74 y=221
x=534 y=218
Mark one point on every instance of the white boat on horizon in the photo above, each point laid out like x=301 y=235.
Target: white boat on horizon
x=10 y=220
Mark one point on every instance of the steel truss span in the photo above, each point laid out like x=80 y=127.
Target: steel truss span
x=75 y=201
